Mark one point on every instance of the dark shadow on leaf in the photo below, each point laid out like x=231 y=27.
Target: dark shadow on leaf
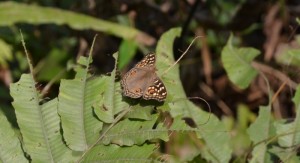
x=142 y=102
x=190 y=122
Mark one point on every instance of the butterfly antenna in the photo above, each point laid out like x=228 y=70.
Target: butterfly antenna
x=182 y=55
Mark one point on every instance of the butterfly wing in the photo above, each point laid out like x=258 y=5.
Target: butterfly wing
x=142 y=80
x=156 y=90
x=134 y=82
x=147 y=62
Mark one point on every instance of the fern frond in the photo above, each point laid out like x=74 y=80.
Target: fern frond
x=39 y=124
x=263 y=126
x=10 y=146
x=111 y=102
x=114 y=153
x=130 y=132
x=76 y=98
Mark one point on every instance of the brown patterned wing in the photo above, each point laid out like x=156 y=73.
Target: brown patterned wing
x=142 y=81
x=133 y=83
x=147 y=62
x=156 y=90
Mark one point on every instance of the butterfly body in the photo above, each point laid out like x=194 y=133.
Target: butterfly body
x=142 y=81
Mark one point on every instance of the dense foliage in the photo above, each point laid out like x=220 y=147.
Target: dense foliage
x=61 y=100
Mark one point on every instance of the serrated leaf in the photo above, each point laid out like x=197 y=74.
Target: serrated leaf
x=212 y=150
x=140 y=112
x=23 y=13
x=10 y=146
x=114 y=153
x=213 y=132
x=260 y=131
x=286 y=132
x=287 y=155
x=130 y=132
x=84 y=61
x=237 y=63
x=289 y=133
x=39 y=124
x=76 y=98
x=111 y=102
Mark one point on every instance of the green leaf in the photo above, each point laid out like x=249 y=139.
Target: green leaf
x=180 y=107
x=111 y=102
x=127 y=51
x=165 y=59
x=10 y=146
x=114 y=153
x=5 y=53
x=164 y=54
x=49 y=67
x=214 y=147
x=289 y=134
x=76 y=98
x=240 y=140
x=289 y=56
x=22 y=13
x=140 y=112
x=237 y=63
x=260 y=131
x=213 y=132
x=39 y=124
x=130 y=132
x=287 y=155
x=296 y=133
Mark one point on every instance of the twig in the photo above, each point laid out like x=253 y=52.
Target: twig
x=206 y=56
x=210 y=93
x=278 y=91
x=279 y=75
x=182 y=55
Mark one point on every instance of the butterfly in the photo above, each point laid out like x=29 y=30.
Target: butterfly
x=142 y=81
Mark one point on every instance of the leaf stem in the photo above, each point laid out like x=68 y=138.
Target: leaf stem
x=119 y=117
